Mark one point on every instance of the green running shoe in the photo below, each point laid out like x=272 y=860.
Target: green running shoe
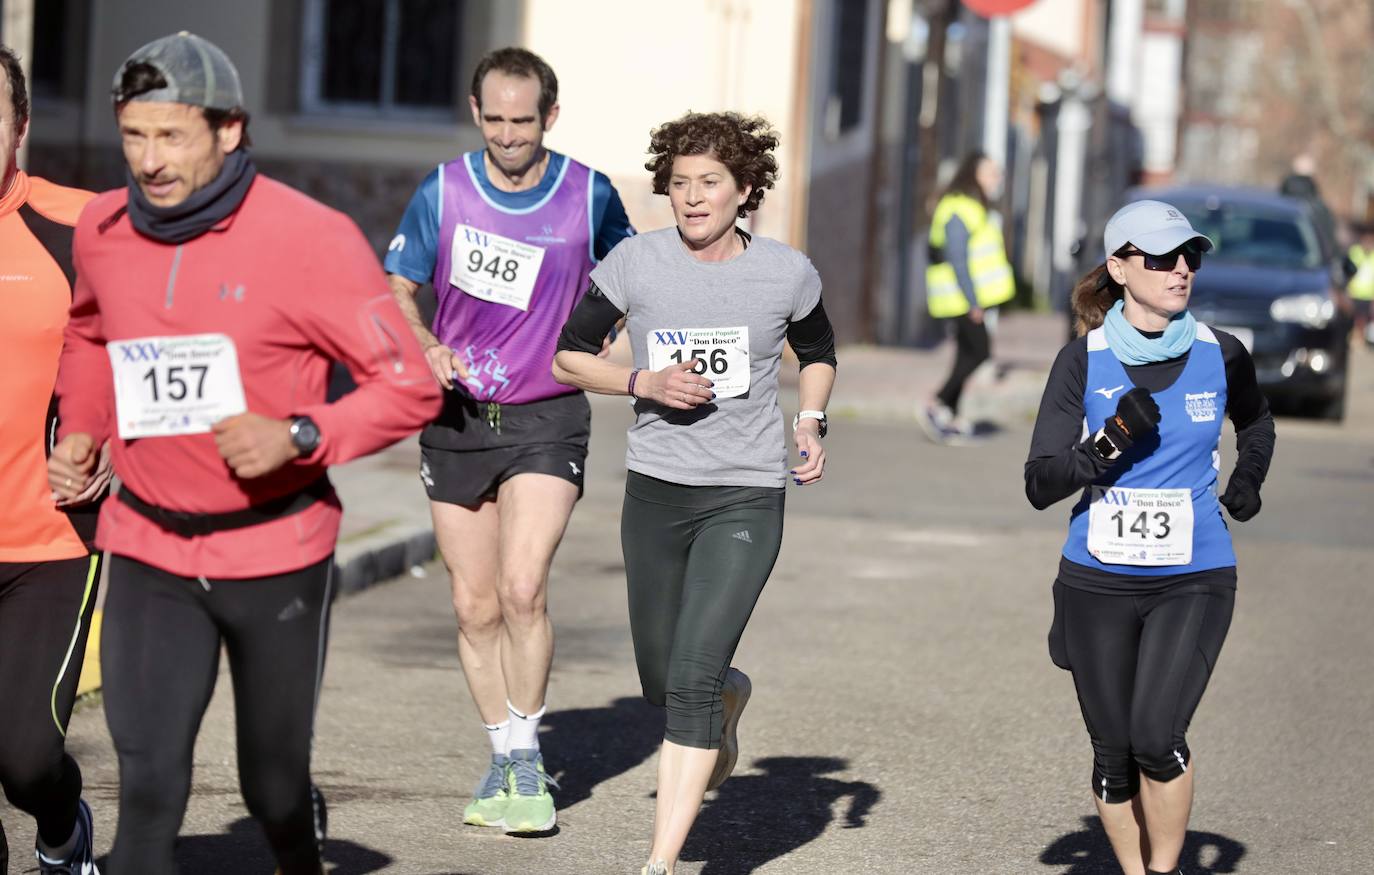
x=734 y=696
x=531 y=805
x=489 y=800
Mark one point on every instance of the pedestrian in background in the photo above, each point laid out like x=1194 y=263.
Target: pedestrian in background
x=967 y=278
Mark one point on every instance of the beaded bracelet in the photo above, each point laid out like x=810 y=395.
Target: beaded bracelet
x=634 y=375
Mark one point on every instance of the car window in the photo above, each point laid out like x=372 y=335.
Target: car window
x=1252 y=235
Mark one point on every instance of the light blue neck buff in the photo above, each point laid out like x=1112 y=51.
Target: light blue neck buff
x=1133 y=348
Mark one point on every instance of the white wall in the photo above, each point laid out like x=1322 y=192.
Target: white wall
x=627 y=66
x=1056 y=25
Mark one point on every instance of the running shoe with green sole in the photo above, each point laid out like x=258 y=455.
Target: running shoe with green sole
x=489 y=800
x=734 y=696
x=530 y=808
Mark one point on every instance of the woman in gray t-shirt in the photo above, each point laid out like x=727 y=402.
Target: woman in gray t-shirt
x=707 y=308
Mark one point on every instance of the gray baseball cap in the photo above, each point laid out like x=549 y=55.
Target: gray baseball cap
x=1150 y=226
x=197 y=71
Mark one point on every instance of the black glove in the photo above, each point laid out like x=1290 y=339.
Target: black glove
x=1241 y=498
x=1137 y=416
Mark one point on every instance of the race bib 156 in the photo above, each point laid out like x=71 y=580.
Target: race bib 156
x=175 y=385
x=494 y=268
x=1141 y=526
x=722 y=355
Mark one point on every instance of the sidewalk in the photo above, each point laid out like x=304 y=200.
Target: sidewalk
x=386 y=525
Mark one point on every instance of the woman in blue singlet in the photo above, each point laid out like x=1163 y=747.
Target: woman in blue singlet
x=1131 y=422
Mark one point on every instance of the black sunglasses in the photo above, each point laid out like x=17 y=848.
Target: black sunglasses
x=1192 y=256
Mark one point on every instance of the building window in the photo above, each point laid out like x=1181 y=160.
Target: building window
x=848 y=55
x=380 y=57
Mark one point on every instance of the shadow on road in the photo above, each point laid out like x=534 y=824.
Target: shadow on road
x=597 y=744
x=754 y=819
x=243 y=848
x=1087 y=852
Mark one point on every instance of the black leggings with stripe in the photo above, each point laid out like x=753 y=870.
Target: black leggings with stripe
x=696 y=560
x=160 y=650
x=1140 y=664
x=45 y=617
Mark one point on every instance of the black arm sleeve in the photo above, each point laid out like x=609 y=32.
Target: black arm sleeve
x=1061 y=462
x=589 y=323
x=1249 y=412
x=812 y=337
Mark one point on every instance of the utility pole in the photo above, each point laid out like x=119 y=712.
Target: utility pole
x=18 y=35
x=942 y=13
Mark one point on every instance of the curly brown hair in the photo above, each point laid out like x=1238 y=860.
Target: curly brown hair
x=744 y=144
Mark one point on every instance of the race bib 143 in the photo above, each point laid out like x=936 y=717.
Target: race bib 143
x=1141 y=526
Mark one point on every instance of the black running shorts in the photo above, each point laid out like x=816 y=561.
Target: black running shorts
x=474 y=447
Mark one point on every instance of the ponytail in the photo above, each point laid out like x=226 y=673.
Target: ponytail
x=1093 y=296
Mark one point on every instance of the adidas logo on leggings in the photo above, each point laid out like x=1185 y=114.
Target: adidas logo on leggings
x=743 y=536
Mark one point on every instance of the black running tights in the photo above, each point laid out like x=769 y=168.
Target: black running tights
x=160 y=649
x=1140 y=665
x=45 y=616
x=696 y=560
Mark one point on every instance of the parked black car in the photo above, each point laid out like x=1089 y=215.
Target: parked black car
x=1274 y=281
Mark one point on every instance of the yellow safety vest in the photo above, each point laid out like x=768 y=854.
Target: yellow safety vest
x=1361 y=286
x=987 y=260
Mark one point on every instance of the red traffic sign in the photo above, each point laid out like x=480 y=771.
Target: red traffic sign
x=996 y=8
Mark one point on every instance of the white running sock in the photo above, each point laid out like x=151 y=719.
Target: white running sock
x=499 y=735
x=524 y=728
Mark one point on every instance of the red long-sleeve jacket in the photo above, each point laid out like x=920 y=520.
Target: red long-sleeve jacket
x=295 y=285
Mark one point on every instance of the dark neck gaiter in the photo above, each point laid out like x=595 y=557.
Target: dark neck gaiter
x=201 y=211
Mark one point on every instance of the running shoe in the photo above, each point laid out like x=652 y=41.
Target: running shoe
x=659 y=868
x=488 y=805
x=82 y=858
x=530 y=808
x=734 y=696
x=936 y=421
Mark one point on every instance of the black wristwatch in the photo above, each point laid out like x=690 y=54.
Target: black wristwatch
x=305 y=435
x=1105 y=447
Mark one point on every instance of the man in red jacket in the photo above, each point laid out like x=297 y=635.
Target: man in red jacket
x=209 y=303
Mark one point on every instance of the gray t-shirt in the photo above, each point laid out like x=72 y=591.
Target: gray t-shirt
x=678 y=308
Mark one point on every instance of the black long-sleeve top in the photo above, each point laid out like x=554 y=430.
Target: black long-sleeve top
x=1062 y=462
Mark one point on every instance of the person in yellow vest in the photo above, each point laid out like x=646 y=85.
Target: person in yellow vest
x=968 y=277
x=1361 y=285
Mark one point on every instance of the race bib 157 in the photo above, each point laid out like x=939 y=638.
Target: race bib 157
x=175 y=385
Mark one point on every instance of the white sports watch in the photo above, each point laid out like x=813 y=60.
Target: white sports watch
x=818 y=415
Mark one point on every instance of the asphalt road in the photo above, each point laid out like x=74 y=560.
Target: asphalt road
x=905 y=715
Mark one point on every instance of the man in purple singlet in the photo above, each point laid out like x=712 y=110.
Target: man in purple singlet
x=507 y=235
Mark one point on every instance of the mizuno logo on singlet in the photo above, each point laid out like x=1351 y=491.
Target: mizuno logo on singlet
x=1108 y=393
x=743 y=536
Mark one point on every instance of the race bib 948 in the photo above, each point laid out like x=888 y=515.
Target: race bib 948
x=722 y=355
x=494 y=268
x=175 y=385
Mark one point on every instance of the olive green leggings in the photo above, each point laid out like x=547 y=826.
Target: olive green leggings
x=696 y=559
